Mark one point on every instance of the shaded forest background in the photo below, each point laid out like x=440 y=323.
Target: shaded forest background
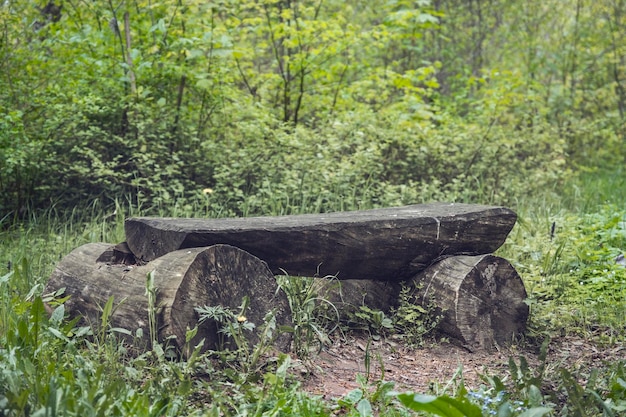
x=241 y=107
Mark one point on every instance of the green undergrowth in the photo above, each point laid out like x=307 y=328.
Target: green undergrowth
x=567 y=250
x=564 y=246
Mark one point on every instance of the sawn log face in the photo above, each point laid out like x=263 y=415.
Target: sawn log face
x=382 y=244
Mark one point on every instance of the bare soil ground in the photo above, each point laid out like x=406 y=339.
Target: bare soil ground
x=332 y=373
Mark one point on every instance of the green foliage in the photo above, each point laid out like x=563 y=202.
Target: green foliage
x=440 y=406
x=522 y=399
x=224 y=108
x=236 y=348
x=373 y=321
x=596 y=396
x=43 y=371
x=414 y=320
x=573 y=277
x=48 y=363
x=371 y=398
x=314 y=318
x=568 y=63
x=281 y=106
x=275 y=395
x=614 y=392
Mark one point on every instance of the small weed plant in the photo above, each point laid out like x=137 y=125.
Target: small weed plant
x=314 y=317
x=235 y=348
x=375 y=322
x=415 y=320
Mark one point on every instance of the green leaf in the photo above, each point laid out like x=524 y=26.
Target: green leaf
x=5 y=278
x=351 y=398
x=536 y=412
x=106 y=312
x=364 y=408
x=58 y=314
x=121 y=330
x=442 y=406
x=190 y=334
x=56 y=333
x=535 y=396
x=505 y=410
x=204 y=84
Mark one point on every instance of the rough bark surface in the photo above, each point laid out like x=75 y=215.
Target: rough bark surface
x=208 y=276
x=383 y=244
x=482 y=298
x=350 y=294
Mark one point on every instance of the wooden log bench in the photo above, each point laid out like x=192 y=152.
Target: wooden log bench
x=444 y=251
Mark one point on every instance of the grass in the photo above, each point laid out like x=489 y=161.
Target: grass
x=51 y=366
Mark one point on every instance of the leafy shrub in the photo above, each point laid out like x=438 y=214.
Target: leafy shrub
x=272 y=114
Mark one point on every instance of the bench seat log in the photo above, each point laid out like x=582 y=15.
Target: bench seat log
x=382 y=244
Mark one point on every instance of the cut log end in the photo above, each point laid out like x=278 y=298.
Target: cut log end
x=483 y=299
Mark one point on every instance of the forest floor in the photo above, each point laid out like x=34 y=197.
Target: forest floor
x=436 y=368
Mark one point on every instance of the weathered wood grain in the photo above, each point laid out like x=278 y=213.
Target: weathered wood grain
x=348 y=295
x=382 y=244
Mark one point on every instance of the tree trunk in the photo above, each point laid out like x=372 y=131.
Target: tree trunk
x=218 y=275
x=384 y=244
x=482 y=299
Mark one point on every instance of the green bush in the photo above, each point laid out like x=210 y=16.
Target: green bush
x=273 y=107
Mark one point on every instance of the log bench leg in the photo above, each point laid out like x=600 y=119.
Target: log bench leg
x=482 y=297
x=218 y=275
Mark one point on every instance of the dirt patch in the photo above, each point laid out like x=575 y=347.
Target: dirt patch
x=440 y=366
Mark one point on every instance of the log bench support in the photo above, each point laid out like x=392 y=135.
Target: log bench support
x=185 y=279
x=482 y=298
x=443 y=251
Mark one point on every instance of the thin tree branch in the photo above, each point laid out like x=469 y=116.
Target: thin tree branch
x=129 y=59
